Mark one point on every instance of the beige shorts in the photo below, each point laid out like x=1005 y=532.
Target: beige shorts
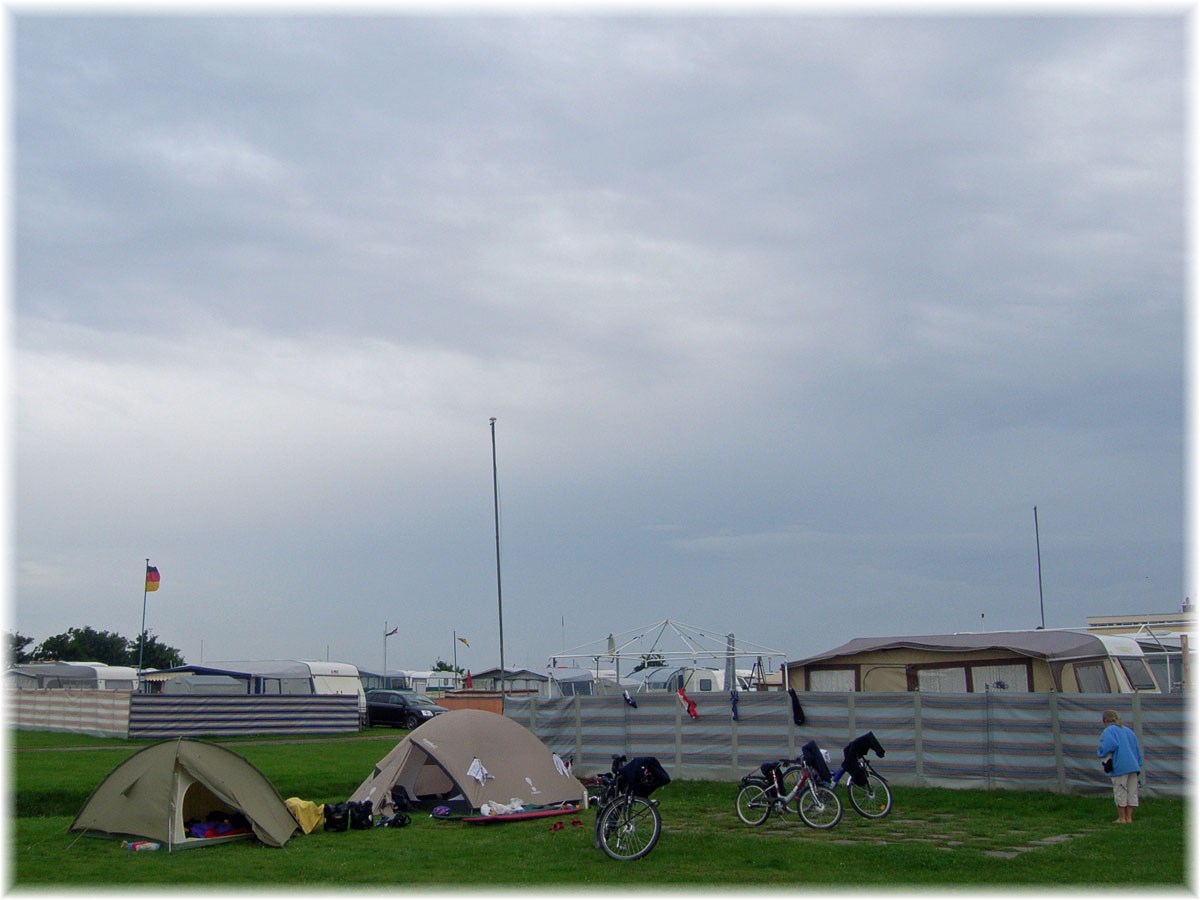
x=1125 y=789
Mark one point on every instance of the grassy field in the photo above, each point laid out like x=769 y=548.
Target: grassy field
x=933 y=837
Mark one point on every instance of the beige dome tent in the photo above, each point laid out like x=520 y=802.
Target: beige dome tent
x=156 y=792
x=465 y=758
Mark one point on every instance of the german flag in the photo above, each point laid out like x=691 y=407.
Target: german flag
x=151 y=578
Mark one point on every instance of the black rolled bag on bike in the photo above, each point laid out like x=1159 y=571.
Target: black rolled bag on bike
x=855 y=751
x=643 y=775
x=815 y=760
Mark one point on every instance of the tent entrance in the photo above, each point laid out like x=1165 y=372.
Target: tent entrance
x=426 y=782
x=198 y=804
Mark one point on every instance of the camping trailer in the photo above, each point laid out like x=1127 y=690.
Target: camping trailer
x=428 y=681
x=279 y=676
x=1064 y=661
x=690 y=679
x=573 y=681
x=91 y=676
x=1165 y=654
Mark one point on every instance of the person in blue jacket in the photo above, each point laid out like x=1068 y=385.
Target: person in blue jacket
x=1121 y=744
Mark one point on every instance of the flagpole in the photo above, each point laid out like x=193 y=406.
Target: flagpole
x=499 y=593
x=142 y=633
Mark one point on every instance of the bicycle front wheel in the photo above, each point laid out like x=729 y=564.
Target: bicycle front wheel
x=872 y=800
x=820 y=807
x=630 y=828
x=753 y=805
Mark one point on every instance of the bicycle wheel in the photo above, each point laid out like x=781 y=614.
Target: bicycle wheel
x=820 y=807
x=872 y=800
x=629 y=828
x=753 y=805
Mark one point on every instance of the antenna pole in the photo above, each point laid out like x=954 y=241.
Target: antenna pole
x=1038 y=539
x=499 y=592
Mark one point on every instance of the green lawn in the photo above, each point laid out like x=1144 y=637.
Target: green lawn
x=933 y=837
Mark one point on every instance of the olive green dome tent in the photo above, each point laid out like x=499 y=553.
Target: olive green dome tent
x=157 y=791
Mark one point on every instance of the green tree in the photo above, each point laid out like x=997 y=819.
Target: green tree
x=442 y=666
x=155 y=654
x=86 y=645
x=17 y=643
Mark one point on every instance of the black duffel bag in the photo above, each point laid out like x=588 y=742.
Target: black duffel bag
x=360 y=814
x=337 y=816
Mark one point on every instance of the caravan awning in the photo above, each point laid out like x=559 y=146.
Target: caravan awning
x=1047 y=645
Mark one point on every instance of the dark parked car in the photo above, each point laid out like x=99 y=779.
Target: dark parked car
x=405 y=709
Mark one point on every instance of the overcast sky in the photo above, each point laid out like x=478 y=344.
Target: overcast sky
x=787 y=323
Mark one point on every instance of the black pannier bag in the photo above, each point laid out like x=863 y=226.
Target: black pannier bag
x=337 y=816
x=360 y=813
x=643 y=775
x=815 y=760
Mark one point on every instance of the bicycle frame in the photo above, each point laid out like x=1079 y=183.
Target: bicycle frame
x=609 y=791
x=805 y=781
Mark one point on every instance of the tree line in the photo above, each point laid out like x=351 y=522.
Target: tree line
x=89 y=645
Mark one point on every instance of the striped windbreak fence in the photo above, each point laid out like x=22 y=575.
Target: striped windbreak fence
x=125 y=715
x=994 y=740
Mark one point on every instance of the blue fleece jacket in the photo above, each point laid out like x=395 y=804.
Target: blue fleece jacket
x=1122 y=743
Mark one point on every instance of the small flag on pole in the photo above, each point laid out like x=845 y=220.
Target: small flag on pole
x=393 y=631
x=151 y=578
x=464 y=642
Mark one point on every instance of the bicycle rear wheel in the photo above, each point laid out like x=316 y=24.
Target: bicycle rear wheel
x=820 y=807
x=629 y=828
x=753 y=804
x=872 y=800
